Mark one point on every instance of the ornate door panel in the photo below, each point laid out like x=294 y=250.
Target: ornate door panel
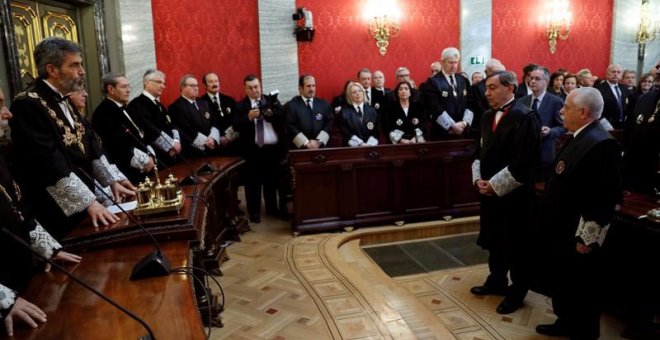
x=32 y=23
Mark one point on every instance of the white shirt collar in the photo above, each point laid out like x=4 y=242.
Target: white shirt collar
x=116 y=102
x=53 y=87
x=149 y=95
x=540 y=97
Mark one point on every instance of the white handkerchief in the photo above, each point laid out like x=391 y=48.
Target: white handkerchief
x=128 y=206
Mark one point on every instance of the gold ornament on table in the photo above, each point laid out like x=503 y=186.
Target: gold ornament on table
x=155 y=198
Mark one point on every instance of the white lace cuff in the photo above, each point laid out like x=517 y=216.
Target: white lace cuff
x=140 y=159
x=300 y=140
x=231 y=134
x=355 y=141
x=445 y=121
x=100 y=196
x=164 y=142
x=175 y=134
x=7 y=297
x=215 y=134
x=591 y=232
x=476 y=170
x=199 y=142
x=323 y=137
x=503 y=182
x=372 y=141
x=395 y=136
x=102 y=172
x=152 y=152
x=468 y=116
x=71 y=194
x=42 y=242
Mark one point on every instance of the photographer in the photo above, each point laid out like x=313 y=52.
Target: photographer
x=260 y=122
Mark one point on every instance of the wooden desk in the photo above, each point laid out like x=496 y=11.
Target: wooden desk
x=353 y=187
x=73 y=312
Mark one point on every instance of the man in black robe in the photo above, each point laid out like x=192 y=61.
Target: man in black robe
x=55 y=148
x=120 y=133
x=580 y=196
x=309 y=118
x=221 y=108
x=17 y=265
x=508 y=153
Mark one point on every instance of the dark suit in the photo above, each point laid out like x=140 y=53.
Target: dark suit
x=579 y=199
x=614 y=113
x=263 y=164
x=439 y=96
x=478 y=104
x=549 y=114
x=352 y=126
x=223 y=119
x=522 y=90
x=49 y=162
x=513 y=147
x=157 y=124
x=379 y=98
x=304 y=124
x=110 y=124
x=642 y=146
x=194 y=124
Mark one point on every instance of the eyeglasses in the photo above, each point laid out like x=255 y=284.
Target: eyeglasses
x=159 y=82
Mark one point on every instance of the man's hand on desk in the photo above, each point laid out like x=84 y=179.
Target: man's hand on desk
x=26 y=311
x=63 y=256
x=122 y=189
x=99 y=213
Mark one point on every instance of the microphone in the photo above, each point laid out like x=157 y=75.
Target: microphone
x=152 y=265
x=137 y=140
x=192 y=178
x=54 y=264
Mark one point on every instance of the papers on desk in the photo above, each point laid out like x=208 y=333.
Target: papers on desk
x=128 y=206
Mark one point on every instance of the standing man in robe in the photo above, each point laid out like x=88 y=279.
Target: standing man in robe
x=222 y=109
x=55 y=148
x=309 y=118
x=508 y=153
x=577 y=206
x=445 y=98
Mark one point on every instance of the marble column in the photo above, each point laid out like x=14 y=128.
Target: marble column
x=476 y=33
x=130 y=35
x=278 y=48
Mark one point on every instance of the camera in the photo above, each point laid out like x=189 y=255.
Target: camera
x=268 y=103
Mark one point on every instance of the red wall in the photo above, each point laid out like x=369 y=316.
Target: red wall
x=342 y=46
x=518 y=36
x=206 y=35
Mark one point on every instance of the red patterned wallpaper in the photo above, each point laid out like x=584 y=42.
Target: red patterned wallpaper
x=341 y=45
x=206 y=35
x=518 y=36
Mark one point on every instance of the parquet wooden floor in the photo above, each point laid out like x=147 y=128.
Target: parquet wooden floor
x=324 y=286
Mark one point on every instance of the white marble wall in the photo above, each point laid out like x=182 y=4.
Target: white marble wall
x=476 y=33
x=279 y=50
x=625 y=25
x=130 y=33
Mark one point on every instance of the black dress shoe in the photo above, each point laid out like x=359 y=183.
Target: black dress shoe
x=553 y=329
x=255 y=219
x=508 y=306
x=488 y=290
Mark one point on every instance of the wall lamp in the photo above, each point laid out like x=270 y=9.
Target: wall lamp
x=648 y=31
x=383 y=17
x=557 y=22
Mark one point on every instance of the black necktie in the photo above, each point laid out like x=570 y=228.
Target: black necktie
x=309 y=105
x=618 y=99
x=158 y=105
x=195 y=105
x=453 y=82
x=359 y=112
x=535 y=105
x=367 y=95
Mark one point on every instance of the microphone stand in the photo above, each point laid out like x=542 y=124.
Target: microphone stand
x=137 y=140
x=152 y=265
x=54 y=264
x=192 y=178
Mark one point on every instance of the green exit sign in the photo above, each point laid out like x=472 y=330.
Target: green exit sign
x=477 y=60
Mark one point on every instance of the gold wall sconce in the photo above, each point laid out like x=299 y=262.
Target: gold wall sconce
x=557 y=22
x=383 y=17
x=648 y=30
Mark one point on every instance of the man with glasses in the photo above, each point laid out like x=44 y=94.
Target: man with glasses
x=547 y=105
x=194 y=120
x=159 y=131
